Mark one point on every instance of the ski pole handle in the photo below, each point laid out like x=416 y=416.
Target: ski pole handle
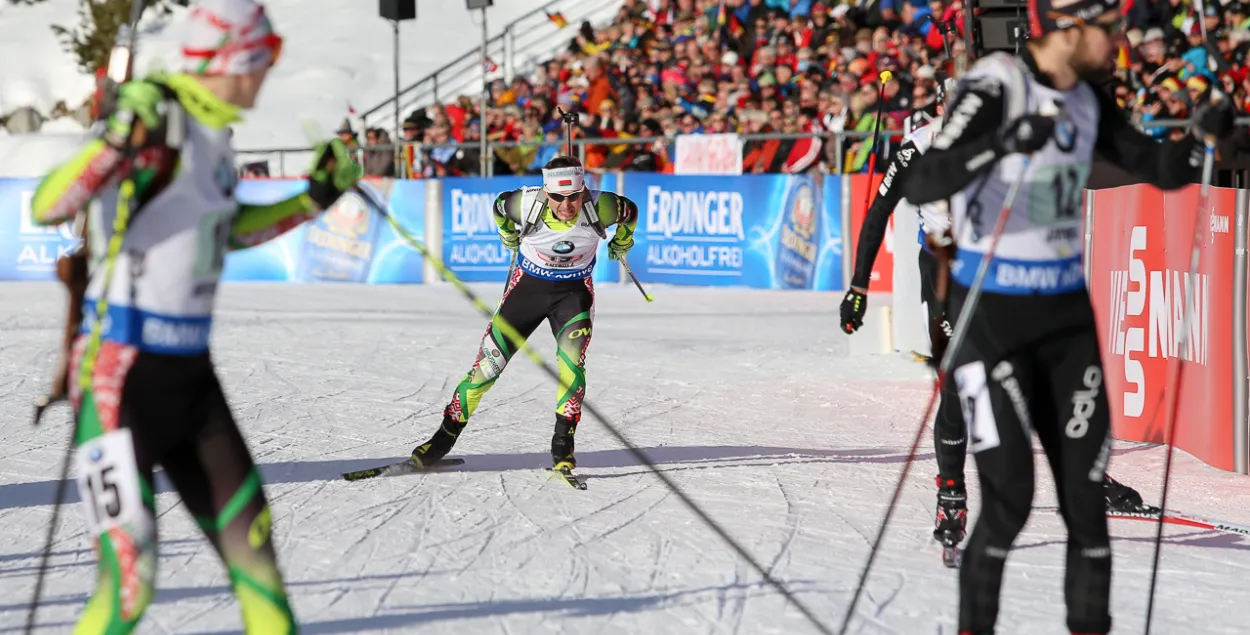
x=636 y=283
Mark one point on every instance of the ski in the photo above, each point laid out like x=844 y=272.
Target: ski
x=952 y=557
x=1184 y=520
x=565 y=471
x=1177 y=518
x=407 y=466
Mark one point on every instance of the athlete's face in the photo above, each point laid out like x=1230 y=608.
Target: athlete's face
x=1094 y=57
x=565 y=206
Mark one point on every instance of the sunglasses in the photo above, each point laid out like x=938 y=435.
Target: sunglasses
x=560 y=198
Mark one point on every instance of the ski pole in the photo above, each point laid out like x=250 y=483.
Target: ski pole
x=1175 y=376
x=120 y=69
x=521 y=345
x=635 y=279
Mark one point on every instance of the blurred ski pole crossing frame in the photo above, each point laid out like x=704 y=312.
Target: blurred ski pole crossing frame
x=520 y=345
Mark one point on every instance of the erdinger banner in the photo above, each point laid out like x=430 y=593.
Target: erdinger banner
x=471 y=247
x=350 y=242
x=882 y=276
x=1140 y=284
x=28 y=251
x=765 y=231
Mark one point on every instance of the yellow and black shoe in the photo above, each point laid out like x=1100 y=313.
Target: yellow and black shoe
x=429 y=453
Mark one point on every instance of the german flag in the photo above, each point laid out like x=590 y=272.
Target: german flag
x=557 y=19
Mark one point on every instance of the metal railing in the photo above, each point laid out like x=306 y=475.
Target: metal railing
x=293 y=162
x=525 y=42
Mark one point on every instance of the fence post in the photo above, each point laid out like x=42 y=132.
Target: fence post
x=1241 y=380
x=1089 y=233
x=848 y=254
x=433 y=229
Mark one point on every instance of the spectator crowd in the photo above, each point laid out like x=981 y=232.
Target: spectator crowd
x=664 y=68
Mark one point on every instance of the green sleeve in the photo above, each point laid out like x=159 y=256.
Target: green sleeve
x=72 y=184
x=617 y=210
x=257 y=224
x=508 y=211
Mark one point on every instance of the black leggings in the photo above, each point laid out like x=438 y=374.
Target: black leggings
x=1053 y=387
x=568 y=306
x=949 y=439
x=176 y=416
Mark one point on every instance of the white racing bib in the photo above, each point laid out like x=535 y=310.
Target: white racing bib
x=108 y=481
x=554 y=254
x=165 y=277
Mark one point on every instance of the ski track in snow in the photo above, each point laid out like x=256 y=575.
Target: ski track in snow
x=736 y=395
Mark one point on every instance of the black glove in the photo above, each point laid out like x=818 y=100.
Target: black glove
x=853 y=307
x=940 y=332
x=1026 y=135
x=1215 y=117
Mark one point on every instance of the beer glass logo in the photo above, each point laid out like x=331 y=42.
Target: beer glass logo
x=796 y=259
x=340 y=244
x=349 y=216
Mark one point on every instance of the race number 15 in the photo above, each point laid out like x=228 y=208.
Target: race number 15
x=108 y=480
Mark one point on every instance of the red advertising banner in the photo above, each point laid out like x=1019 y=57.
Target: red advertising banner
x=882 y=277
x=1140 y=283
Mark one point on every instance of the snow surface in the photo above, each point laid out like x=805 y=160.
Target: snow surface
x=739 y=395
x=334 y=53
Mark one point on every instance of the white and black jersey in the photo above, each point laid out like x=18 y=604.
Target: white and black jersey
x=1036 y=270
x=934 y=217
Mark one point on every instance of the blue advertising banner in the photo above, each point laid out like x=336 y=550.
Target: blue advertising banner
x=350 y=242
x=764 y=231
x=28 y=251
x=471 y=247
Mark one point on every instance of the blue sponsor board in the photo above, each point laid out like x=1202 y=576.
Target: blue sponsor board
x=762 y=231
x=471 y=246
x=350 y=242
x=28 y=251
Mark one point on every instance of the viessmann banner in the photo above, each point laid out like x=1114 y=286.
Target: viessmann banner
x=1140 y=283
x=350 y=242
x=764 y=231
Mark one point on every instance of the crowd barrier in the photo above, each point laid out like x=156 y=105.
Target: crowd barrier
x=799 y=232
x=1140 y=243
x=762 y=231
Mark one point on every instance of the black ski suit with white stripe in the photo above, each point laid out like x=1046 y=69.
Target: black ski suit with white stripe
x=1031 y=359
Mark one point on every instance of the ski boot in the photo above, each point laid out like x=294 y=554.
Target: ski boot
x=952 y=512
x=1123 y=499
x=562 y=443
x=429 y=453
x=562 y=459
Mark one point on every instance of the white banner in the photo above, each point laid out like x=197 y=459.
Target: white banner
x=708 y=154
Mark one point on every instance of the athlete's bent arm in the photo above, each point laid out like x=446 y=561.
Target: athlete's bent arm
x=507 y=211
x=888 y=195
x=259 y=224
x=1167 y=165
x=74 y=183
x=622 y=212
x=966 y=146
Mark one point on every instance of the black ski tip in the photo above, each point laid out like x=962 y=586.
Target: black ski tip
x=407 y=466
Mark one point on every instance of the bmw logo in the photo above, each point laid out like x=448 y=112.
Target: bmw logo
x=563 y=247
x=96 y=454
